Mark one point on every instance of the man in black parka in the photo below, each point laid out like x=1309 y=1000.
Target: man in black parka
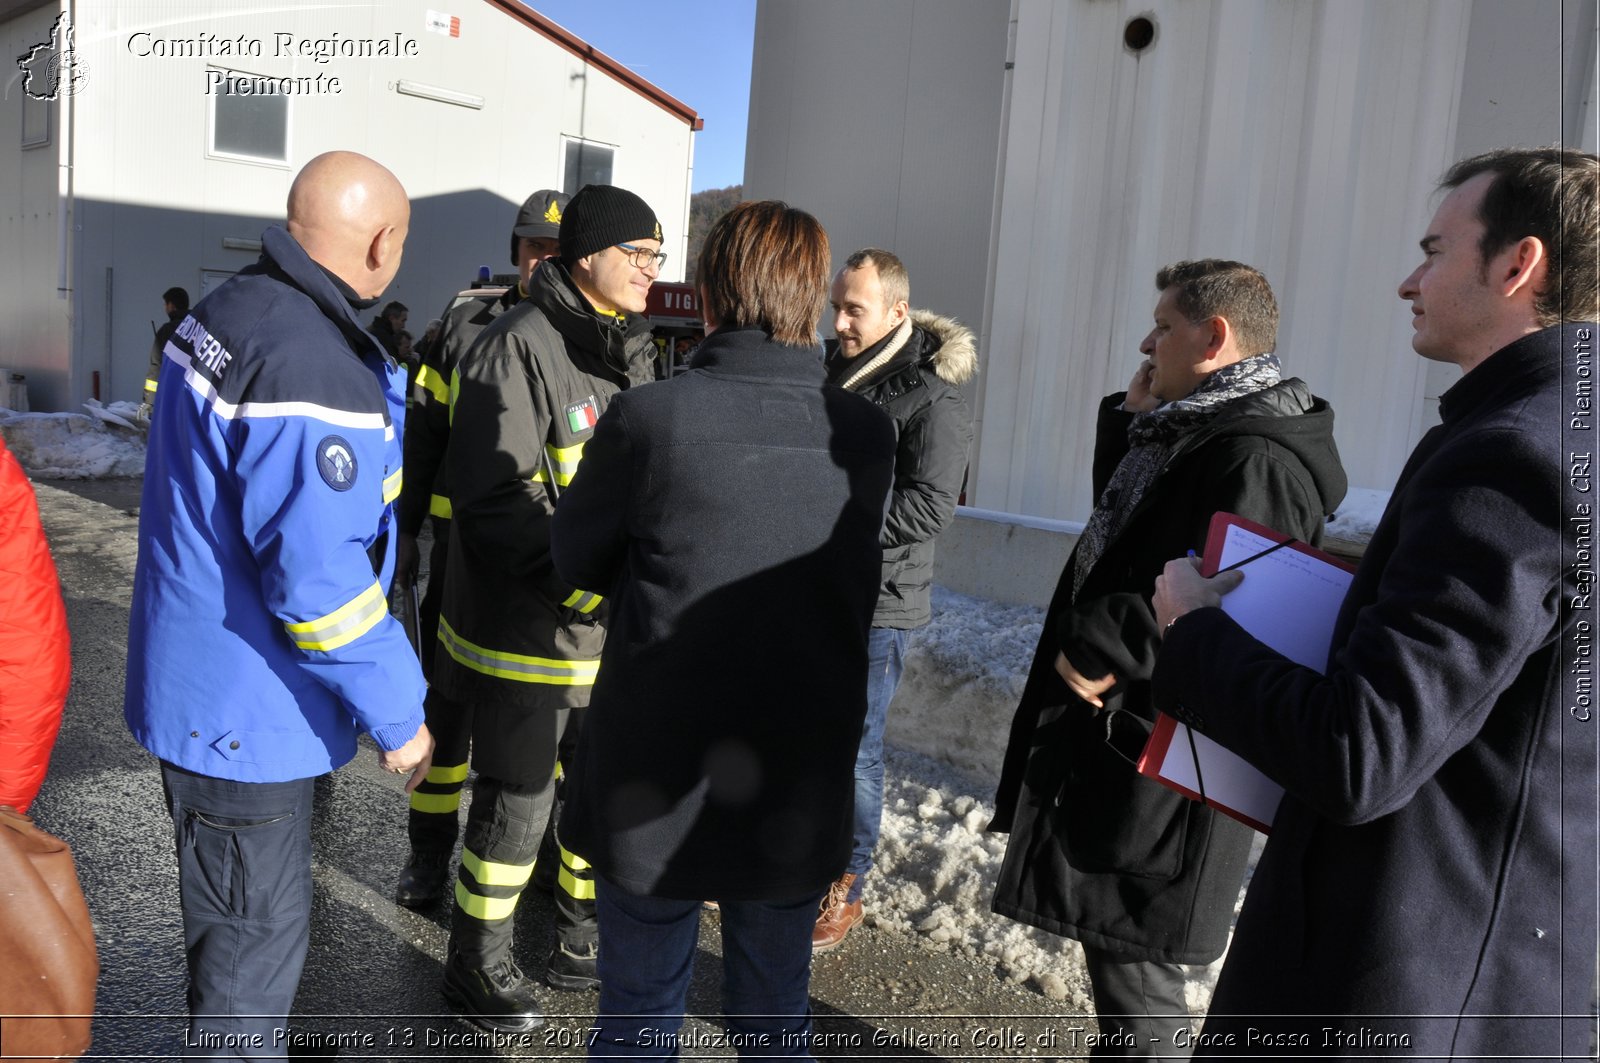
x=1429 y=888
x=1142 y=877
x=175 y=301
x=388 y=325
x=911 y=363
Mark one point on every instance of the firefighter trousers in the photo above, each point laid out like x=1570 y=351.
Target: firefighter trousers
x=505 y=822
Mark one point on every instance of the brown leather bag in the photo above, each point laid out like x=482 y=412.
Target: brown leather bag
x=48 y=965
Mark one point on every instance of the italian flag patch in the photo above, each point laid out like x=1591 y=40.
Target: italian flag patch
x=581 y=416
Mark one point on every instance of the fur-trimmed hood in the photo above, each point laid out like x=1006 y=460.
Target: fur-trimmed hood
x=956 y=359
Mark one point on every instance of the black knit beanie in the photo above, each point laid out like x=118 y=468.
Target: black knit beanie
x=601 y=216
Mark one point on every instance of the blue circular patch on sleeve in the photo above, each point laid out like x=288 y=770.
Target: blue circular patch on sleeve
x=336 y=461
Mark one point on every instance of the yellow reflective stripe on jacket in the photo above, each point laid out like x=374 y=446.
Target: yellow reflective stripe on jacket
x=435 y=803
x=485 y=908
x=489 y=873
x=149 y=384
x=583 y=601
x=447 y=773
x=564 y=460
x=454 y=393
x=439 y=506
x=517 y=667
x=431 y=381
x=391 y=485
x=342 y=626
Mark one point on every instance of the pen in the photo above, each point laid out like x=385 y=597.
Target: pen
x=1256 y=557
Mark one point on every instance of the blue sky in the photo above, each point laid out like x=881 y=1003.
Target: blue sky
x=697 y=50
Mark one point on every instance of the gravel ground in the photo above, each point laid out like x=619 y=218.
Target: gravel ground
x=371 y=977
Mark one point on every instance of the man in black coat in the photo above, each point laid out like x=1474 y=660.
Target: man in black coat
x=1429 y=888
x=175 y=301
x=1142 y=877
x=912 y=364
x=388 y=325
x=731 y=515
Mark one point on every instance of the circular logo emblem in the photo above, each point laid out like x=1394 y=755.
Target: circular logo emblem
x=336 y=462
x=67 y=76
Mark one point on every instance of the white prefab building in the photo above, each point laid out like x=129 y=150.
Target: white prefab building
x=1034 y=164
x=177 y=126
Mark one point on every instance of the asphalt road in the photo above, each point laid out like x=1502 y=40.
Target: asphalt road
x=371 y=980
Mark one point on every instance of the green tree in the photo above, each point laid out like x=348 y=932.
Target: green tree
x=704 y=209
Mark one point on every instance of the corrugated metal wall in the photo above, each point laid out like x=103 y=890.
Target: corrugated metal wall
x=883 y=120
x=1301 y=136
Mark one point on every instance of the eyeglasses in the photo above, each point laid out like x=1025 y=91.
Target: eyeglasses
x=643 y=257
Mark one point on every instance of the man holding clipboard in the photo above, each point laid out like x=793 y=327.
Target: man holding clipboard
x=1429 y=887
x=1142 y=877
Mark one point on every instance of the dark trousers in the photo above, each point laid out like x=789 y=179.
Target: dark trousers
x=1141 y=1002
x=515 y=751
x=648 y=957
x=434 y=817
x=504 y=825
x=432 y=597
x=244 y=884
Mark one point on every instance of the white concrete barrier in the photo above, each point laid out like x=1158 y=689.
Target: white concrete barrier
x=993 y=576
x=1003 y=557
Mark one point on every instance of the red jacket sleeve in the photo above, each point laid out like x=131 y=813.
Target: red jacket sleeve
x=35 y=659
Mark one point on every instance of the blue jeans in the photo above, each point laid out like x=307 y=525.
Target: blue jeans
x=886 y=654
x=244 y=884
x=647 y=955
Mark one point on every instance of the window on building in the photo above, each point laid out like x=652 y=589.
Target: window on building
x=36 y=118
x=247 y=124
x=587 y=163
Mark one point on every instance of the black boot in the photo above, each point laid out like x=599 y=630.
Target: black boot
x=568 y=968
x=496 y=997
x=423 y=880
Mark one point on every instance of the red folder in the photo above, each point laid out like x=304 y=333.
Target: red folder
x=1278 y=569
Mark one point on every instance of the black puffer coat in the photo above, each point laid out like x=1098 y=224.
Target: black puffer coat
x=918 y=385
x=1098 y=852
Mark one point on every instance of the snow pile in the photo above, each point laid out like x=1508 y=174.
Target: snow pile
x=1358 y=515
x=74 y=446
x=964 y=675
x=936 y=867
x=935 y=875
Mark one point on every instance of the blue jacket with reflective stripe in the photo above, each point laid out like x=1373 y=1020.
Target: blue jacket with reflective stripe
x=259 y=641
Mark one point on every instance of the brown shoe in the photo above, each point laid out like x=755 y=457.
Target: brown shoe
x=837 y=918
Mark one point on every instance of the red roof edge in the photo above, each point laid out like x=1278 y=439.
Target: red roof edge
x=594 y=57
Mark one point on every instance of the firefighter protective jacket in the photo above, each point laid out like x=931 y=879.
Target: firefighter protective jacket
x=525 y=400
x=260 y=640
x=428 y=426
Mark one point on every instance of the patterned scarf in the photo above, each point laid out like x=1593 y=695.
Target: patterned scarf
x=1151 y=437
